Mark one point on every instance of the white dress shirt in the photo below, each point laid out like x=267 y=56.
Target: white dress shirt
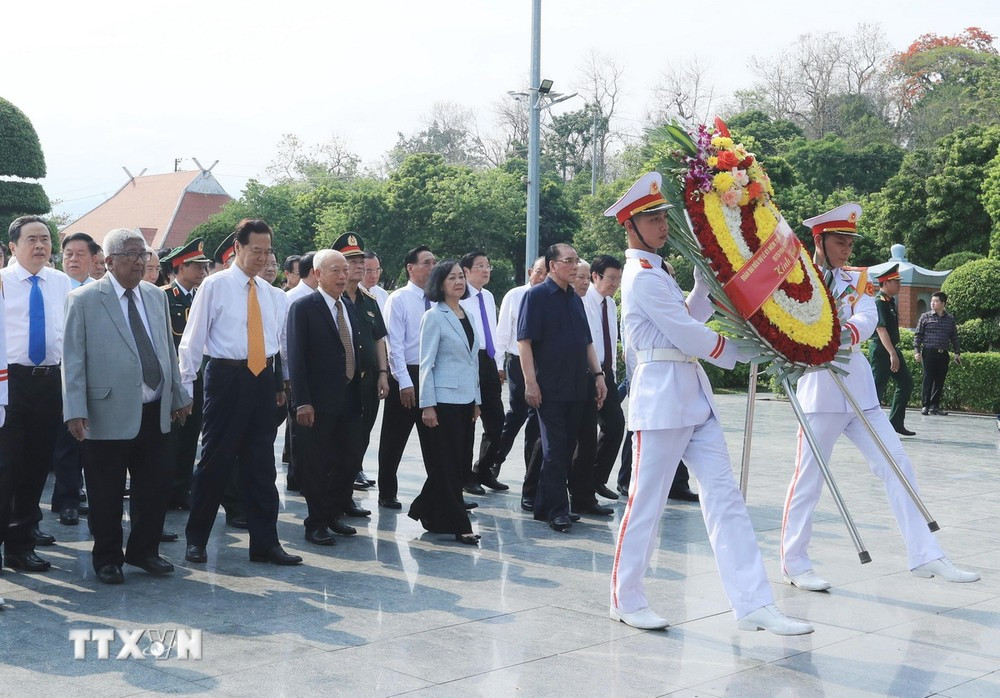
x=331 y=303
x=471 y=305
x=505 y=339
x=592 y=303
x=148 y=394
x=217 y=325
x=300 y=290
x=381 y=296
x=55 y=287
x=403 y=311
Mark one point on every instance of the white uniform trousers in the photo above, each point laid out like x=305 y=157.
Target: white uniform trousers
x=807 y=486
x=656 y=453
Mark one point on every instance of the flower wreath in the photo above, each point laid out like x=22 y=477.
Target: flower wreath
x=727 y=195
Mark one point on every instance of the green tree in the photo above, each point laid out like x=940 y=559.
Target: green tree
x=20 y=156
x=990 y=198
x=773 y=135
x=974 y=290
x=829 y=164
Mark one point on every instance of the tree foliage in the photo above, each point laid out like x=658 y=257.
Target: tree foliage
x=20 y=156
x=974 y=290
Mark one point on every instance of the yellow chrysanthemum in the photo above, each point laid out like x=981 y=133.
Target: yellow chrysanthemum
x=723 y=181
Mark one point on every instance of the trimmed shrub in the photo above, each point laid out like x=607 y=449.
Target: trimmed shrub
x=978 y=335
x=974 y=290
x=955 y=260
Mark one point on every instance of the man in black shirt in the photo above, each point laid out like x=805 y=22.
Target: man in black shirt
x=936 y=331
x=556 y=352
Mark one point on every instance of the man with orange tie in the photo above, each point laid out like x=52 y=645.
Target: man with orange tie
x=234 y=321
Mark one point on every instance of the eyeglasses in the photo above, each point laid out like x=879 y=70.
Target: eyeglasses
x=133 y=256
x=610 y=279
x=570 y=260
x=376 y=270
x=482 y=267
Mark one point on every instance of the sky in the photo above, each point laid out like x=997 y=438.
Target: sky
x=115 y=83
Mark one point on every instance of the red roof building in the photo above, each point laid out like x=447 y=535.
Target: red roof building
x=165 y=208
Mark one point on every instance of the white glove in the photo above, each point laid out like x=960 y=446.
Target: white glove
x=3 y=417
x=700 y=289
x=745 y=351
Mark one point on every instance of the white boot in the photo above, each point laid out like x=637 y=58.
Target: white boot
x=808 y=580
x=770 y=618
x=644 y=619
x=943 y=568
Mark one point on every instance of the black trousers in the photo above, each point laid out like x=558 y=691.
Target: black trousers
x=67 y=466
x=559 y=422
x=519 y=414
x=596 y=455
x=333 y=451
x=492 y=416
x=185 y=443
x=146 y=459
x=27 y=439
x=369 y=405
x=581 y=472
x=440 y=507
x=935 y=371
x=397 y=423
x=238 y=431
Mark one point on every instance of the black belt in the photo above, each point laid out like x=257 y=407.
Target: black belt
x=239 y=363
x=939 y=351
x=21 y=369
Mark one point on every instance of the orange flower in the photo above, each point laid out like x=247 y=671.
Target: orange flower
x=727 y=160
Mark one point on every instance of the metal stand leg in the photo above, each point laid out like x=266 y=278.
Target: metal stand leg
x=827 y=475
x=931 y=523
x=748 y=432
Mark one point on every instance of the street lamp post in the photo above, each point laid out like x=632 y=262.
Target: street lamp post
x=534 y=148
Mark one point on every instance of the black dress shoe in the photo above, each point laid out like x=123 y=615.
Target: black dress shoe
x=154 y=564
x=574 y=517
x=167 y=536
x=471 y=505
x=237 y=521
x=925 y=410
x=623 y=491
x=276 y=556
x=390 y=503
x=343 y=529
x=595 y=508
x=69 y=517
x=29 y=562
x=683 y=495
x=603 y=491
x=357 y=511
x=83 y=496
x=195 y=553
x=40 y=538
x=904 y=431
x=467 y=538
x=320 y=536
x=361 y=484
x=528 y=504
x=561 y=524
x=110 y=574
x=939 y=412
x=474 y=488
x=489 y=481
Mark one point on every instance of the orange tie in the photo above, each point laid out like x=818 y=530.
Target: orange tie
x=256 y=358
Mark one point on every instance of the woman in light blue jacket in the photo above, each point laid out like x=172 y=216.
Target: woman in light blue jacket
x=450 y=398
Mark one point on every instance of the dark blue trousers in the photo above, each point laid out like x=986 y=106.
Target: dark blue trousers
x=238 y=431
x=559 y=422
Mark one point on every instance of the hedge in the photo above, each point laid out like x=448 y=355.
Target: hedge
x=971 y=386
x=974 y=290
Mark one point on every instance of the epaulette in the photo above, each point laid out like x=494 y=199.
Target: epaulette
x=644 y=263
x=367 y=292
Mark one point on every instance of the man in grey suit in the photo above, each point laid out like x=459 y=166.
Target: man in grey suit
x=121 y=389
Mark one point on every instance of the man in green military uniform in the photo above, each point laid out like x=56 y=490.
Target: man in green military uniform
x=886 y=358
x=189 y=266
x=373 y=359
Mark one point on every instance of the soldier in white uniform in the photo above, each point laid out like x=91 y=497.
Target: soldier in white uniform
x=673 y=416
x=830 y=415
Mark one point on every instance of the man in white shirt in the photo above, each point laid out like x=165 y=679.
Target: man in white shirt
x=78 y=252
x=403 y=312
x=235 y=320
x=518 y=412
x=482 y=309
x=598 y=456
x=373 y=272
x=35 y=297
x=307 y=281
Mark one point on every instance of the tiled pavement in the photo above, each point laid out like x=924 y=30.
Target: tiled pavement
x=394 y=610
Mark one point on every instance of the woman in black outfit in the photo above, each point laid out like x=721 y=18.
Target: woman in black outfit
x=450 y=398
